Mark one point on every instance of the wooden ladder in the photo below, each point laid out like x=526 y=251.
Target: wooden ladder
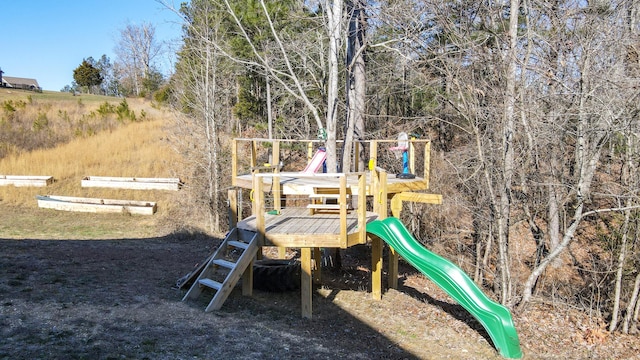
x=225 y=267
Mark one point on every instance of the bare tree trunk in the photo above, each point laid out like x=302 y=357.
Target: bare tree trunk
x=554 y=220
x=269 y=111
x=504 y=215
x=355 y=84
x=626 y=175
x=622 y=258
x=630 y=316
x=334 y=24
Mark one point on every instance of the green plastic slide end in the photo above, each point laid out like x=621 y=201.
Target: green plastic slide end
x=495 y=318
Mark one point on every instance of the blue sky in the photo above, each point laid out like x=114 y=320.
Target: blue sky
x=47 y=39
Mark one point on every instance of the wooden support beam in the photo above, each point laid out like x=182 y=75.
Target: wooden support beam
x=380 y=205
x=317 y=265
x=234 y=162
x=275 y=155
x=343 y=212
x=254 y=153
x=247 y=280
x=258 y=208
x=362 y=209
x=306 y=285
x=427 y=163
x=376 y=268
x=397 y=199
x=393 y=269
x=384 y=209
x=412 y=157
x=232 y=194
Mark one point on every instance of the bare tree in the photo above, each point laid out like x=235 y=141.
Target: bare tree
x=200 y=88
x=355 y=83
x=136 y=50
x=587 y=117
x=334 y=13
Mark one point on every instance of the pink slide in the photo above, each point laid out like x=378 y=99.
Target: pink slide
x=316 y=162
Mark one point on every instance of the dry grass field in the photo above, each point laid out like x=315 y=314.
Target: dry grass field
x=121 y=148
x=102 y=286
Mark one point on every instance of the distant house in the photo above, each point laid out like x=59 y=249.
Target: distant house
x=20 y=83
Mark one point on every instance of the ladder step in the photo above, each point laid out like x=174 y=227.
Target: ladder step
x=238 y=244
x=224 y=263
x=324 y=206
x=328 y=196
x=210 y=283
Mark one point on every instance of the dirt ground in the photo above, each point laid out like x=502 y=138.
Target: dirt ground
x=116 y=299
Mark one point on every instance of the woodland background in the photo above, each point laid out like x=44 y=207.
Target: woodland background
x=532 y=107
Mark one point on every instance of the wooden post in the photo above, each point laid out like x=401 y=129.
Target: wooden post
x=234 y=161
x=233 y=208
x=376 y=243
x=373 y=155
x=412 y=157
x=258 y=208
x=306 y=286
x=247 y=280
x=356 y=157
x=362 y=208
x=427 y=163
x=375 y=177
x=392 y=280
x=317 y=269
x=343 y=211
x=376 y=268
x=383 y=209
x=254 y=154
x=393 y=269
x=275 y=154
x=277 y=205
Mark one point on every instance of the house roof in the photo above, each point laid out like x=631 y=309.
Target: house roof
x=12 y=81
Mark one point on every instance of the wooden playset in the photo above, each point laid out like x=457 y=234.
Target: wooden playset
x=297 y=205
x=310 y=210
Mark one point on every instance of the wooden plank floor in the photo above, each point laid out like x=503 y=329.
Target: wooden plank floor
x=298 y=228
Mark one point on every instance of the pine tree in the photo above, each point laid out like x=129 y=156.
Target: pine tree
x=87 y=75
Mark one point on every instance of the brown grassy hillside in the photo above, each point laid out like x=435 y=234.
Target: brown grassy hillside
x=116 y=147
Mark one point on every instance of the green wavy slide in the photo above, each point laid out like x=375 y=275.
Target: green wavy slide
x=495 y=318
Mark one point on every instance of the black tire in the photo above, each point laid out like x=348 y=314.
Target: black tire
x=276 y=275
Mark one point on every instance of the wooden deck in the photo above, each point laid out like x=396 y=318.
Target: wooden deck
x=296 y=227
x=339 y=204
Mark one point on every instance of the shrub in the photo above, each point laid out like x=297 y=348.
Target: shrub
x=106 y=109
x=41 y=122
x=124 y=112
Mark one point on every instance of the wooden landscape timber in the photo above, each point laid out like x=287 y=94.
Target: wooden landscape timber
x=26 y=180
x=96 y=205
x=136 y=183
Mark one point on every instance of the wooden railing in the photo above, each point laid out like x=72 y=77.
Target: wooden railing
x=259 y=208
x=274 y=164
